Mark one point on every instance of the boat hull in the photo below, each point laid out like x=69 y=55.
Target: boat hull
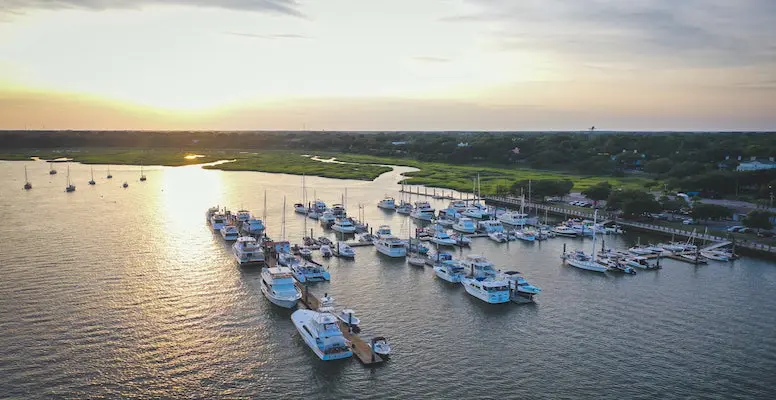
x=443 y=242
x=278 y=302
x=588 y=266
x=343 y=230
x=442 y=274
x=497 y=298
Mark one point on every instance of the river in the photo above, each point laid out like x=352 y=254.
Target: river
x=110 y=292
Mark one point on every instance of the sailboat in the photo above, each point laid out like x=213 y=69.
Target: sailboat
x=109 y=175
x=92 y=182
x=142 y=175
x=27 y=184
x=581 y=260
x=52 y=171
x=70 y=187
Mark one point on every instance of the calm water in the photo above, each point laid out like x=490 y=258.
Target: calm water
x=110 y=292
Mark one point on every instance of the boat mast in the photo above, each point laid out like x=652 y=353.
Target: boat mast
x=595 y=218
x=283 y=223
x=264 y=214
x=26 y=180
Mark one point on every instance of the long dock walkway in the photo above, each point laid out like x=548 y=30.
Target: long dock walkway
x=361 y=349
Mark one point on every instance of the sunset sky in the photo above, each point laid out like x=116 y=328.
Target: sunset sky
x=388 y=65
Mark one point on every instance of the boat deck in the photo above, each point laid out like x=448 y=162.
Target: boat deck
x=361 y=349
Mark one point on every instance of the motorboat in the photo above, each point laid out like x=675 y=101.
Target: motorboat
x=465 y=225
x=125 y=185
x=450 y=270
x=229 y=233
x=344 y=251
x=416 y=260
x=562 y=230
x=348 y=316
x=613 y=230
x=277 y=285
x=514 y=218
x=366 y=238
x=424 y=234
x=325 y=251
x=640 y=250
x=716 y=255
x=360 y=226
x=444 y=222
x=305 y=252
x=498 y=237
x=253 y=226
x=27 y=184
x=287 y=259
x=415 y=246
x=322 y=334
x=388 y=203
x=637 y=262
x=673 y=247
x=422 y=214
x=438 y=257
x=478 y=266
x=518 y=283
x=338 y=210
x=391 y=246
x=441 y=238
x=323 y=240
x=488 y=289
x=327 y=219
x=217 y=221
x=476 y=211
x=242 y=216
x=383 y=230
x=424 y=205
x=404 y=208
x=344 y=225
x=458 y=206
x=308 y=271
x=246 y=251
x=381 y=346
x=300 y=208
x=461 y=240
x=524 y=234
x=491 y=225
x=582 y=261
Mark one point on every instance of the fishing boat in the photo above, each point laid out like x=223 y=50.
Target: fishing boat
x=488 y=289
x=465 y=225
x=229 y=233
x=142 y=175
x=388 y=203
x=247 y=251
x=308 y=271
x=70 y=187
x=391 y=246
x=344 y=251
x=441 y=238
x=27 y=184
x=344 y=225
x=277 y=285
x=450 y=270
x=348 y=316
x=381 y=346
x=322 y=334
x=91 y=181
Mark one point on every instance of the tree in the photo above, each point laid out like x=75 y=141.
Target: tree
x=598 y=192
x=543 y=188
x=705 y=212
x=659 y=166
x=633 y=203
x=758 y=219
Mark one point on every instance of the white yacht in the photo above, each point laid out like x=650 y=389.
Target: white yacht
x=524 y=234
x=217 y=221
x=327 y=219
x=300 y=208
x=518 y=283
x=422 y=214
x=458 y=206
x=344 y=251
x=278 y=286
x=246 y=250
x=308 y=271
x=498 y=237
x=404 y=208
x=344 y=225
x=253 y=226
x=490 y=290
x=450 y=270
x=322 y=334
x=474 y=212
x=478 y=266
x=465 y=225
x=388 y=203
x=383 y=231
x=581 y=260
x=514 y=218
x=562 y=230
x=441 y=238
x=229 y=233
x=391 y=246
x=491 y=225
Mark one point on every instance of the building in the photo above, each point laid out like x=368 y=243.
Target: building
x=756 y=165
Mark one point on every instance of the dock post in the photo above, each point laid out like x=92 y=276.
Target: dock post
x=350 y=322
x=564 y=252
x=372 y=346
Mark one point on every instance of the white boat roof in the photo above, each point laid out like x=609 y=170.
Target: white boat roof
x=246 y=239
x=279 y=270
x=476 y=257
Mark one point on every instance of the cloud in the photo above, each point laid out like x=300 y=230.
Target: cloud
x=284 y=7
x=269 y=36
x=431 y=59
x=716 y=33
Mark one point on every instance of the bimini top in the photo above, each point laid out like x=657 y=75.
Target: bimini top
x=280 y=272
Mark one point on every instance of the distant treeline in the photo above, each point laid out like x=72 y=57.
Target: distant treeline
x=688 y=161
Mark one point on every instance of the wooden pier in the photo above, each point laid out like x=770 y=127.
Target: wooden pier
x=440 y=196
x=361 y=349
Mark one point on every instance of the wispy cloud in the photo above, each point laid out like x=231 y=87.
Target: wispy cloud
x=269 y=36
x=431 y=59
x=715 y=33
x=285 y=7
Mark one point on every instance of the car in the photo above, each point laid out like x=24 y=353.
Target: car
x=688 y=222
x=735 y=228
x=745 y=230
x=767 y=234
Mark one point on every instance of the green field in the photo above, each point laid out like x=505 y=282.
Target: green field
x=296 y=164
x=460 y=177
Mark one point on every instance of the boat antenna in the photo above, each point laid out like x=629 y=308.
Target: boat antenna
x=283 y=226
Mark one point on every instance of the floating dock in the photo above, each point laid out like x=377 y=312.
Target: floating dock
x=361 y=349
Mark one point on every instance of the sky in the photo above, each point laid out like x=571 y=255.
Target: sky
x=388 y=65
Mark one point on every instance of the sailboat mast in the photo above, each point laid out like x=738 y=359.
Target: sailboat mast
x=264 y=214
x=283 y=223
x=595 y=219
x=25 y=174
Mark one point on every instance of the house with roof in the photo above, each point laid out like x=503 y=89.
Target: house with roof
x=756 y=165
